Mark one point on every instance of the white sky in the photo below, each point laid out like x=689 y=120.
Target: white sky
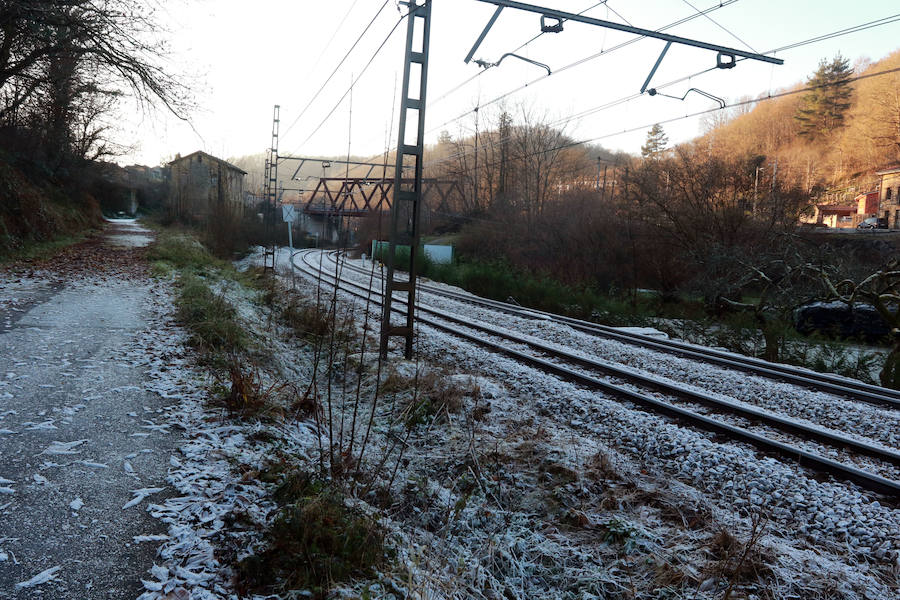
x=244 y=57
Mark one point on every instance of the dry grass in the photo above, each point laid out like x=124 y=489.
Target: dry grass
x=314 y=543
x=248 y=395
x=429 y=397
x=739 y=562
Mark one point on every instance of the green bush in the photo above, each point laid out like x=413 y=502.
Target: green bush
x=315 y=542
x=211 y=320
x=500 y=281
x=182 y=252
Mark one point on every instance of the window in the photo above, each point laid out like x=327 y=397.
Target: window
x=887 y=195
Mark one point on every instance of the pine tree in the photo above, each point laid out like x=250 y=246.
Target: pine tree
x=822 y=109
x=656 y=144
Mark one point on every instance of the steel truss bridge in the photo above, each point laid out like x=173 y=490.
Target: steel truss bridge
x=359 y=196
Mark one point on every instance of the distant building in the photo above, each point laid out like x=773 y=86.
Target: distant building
x=252 y=200
x=201 y=186
x=867 y=205
x=889 y=197
x=839 y=217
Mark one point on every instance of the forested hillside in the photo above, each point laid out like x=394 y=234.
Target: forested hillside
x=827 y=139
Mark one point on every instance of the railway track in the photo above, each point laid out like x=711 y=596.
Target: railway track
x=823 y=382
x=697 y=408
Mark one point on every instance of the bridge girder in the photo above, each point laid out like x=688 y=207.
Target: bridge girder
x=358 y=197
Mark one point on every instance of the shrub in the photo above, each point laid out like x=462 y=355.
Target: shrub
x=314 y=543
x=211 y=320
x=248 y=395
x=182 y=252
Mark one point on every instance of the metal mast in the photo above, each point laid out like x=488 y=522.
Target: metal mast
x=271 y=191
x=407 y=204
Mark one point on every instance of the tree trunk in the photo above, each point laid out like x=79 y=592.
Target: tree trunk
x=771 y=336
x=890 y=374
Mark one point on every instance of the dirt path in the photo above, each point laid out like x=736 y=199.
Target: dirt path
x=82 y=447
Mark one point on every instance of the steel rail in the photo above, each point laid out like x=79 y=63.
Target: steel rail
x=824 y=382
x=856 y=390
x=820 y=463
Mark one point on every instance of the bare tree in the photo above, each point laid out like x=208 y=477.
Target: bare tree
x=67 y=61
x=537 y=148
x=881 y=290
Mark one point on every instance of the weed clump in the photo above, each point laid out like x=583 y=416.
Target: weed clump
x=211 y=320
x=309 y=321
x=427 y=397
x=315 y=542
x=181 y=251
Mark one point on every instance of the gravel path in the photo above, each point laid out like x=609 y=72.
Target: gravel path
x=82 y=448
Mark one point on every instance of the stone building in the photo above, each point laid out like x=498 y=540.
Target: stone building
x=889 y=197
x=203 y=186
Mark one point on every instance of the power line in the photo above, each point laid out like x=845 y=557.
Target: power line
x=722 y=27
x=626 y=99
x=849 y=30
x=578 y=63
x=343 y=60
x=732 y=105
x=333 y=35
x=721 y=4
x=483 y=71
x=698 y=113
x=856 y=28
x=355 y=81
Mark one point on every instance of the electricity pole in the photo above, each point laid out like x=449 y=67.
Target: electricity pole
x=407 y=204
x=271 y=193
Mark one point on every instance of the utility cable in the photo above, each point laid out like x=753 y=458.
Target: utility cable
x=483 y=71
x=333 y=36
x=722 y=27
x=632 y=97
x=355 y=81
x=576 y=64
x=431 y=103
x=827 y=36
x=849 y=30
x=699 y=113
x=340 y=64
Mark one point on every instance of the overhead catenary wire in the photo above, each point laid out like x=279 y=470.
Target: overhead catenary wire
x=483 y=71
x=355 y=81
x=577 y=63
x=587 y=112
x=689 y=116
x=855 y=29
x=337 y=29
x=846 y=31
x=337 y=68
x=722 y=27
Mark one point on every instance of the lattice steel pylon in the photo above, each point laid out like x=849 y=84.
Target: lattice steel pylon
x=406 y=207
x=270 y=191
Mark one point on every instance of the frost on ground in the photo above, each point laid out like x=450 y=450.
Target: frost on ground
x=67 y=386
x=491 y=480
